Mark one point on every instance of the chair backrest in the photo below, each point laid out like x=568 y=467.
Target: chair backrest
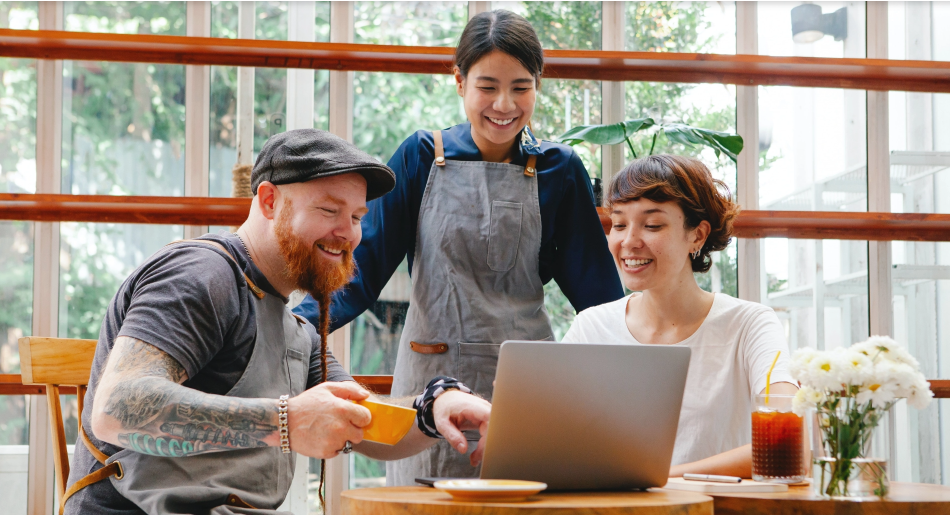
x=56 y=362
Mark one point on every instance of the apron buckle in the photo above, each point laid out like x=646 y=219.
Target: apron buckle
x=429 y=348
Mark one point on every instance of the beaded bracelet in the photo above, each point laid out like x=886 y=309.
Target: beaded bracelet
x=425 y=401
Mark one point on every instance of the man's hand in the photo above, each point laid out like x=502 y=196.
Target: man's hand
x=322 y=419
x=454 y=412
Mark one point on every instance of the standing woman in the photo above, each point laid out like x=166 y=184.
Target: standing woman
x=487 y=215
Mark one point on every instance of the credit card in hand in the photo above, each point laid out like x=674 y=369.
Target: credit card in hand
x=390 y=423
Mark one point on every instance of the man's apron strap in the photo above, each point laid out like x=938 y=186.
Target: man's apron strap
x=112 y=469
x=439 y=149
x=259 y=293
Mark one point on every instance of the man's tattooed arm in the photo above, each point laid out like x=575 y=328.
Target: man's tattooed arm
x=141 y=405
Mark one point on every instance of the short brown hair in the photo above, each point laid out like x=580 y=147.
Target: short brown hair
x=686 y=181
x=500 y=30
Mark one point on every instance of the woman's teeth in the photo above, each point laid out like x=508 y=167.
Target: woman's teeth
x=636 y=262
x=333 y=251
x=500 y=121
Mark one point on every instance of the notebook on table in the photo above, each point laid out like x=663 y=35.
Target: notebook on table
x=710 y=487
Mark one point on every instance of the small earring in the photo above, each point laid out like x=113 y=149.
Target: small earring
x=695 y=254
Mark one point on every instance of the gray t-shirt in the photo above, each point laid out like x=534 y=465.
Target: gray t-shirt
x=191 y=301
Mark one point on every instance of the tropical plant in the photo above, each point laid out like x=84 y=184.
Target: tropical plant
x=615 y=133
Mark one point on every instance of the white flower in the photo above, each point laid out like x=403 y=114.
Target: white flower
x=919 y=395
x=825 y=371
x=884 y=347
x=898 y=376
x=857 y=367
x=800 y=360
x=806 y=398
x=879 y=394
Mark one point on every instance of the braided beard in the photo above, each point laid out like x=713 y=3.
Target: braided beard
x=317 y=276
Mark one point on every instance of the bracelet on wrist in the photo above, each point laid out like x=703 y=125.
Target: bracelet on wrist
x=426 y=400
x=282 y=426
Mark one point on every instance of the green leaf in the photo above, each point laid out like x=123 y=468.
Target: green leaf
x=609 y=134
x=721 y=142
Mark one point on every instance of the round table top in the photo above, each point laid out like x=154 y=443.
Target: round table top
x=904 y=499
x=425 y=500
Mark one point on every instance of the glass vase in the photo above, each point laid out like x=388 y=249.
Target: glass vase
x=850 y=450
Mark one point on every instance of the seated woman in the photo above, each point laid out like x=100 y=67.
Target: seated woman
x=668 y=213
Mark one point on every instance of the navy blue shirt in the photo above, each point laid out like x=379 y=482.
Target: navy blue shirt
x=573 y=246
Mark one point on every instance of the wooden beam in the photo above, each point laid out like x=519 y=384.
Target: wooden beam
x=826 y=225
x=748 y=70
x=119 y=209
x=834 y=225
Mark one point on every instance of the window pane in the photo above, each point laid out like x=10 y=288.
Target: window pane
x=270 y=88
x=561 y=25
x=702 y=27
x=813 y=157
x=845 y=36
x=18 y=106
x=95 y=260
x=920 y=277
x=17 y=175
x=16 y=297
x=695 y=27
x=124 y=123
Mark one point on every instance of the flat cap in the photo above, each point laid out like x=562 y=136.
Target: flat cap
x=304 y=154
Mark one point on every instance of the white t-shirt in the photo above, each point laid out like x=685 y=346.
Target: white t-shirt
x=731 y=354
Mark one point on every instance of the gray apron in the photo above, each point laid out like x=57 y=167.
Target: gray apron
x=230 y=481
x=475 y=284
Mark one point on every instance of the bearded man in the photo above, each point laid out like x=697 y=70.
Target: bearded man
x=203 y=380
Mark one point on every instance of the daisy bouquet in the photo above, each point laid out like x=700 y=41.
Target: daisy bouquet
x=851 y=390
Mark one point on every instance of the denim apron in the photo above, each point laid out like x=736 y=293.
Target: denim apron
x=240 y=481
x=475 y=284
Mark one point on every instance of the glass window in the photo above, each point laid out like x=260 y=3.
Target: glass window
x=784 y=29
x=689 y=27
x=18 y=106
x=16 y=296
x=124 y=123
x=813 y=157
x=17 y=175
x=270 y=88
x=920 y=277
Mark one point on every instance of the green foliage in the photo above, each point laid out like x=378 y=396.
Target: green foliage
x=389 y=107
x=614 y=133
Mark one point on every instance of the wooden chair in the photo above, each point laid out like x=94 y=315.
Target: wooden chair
x=56 y=362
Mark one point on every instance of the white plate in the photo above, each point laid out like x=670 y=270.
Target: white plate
x=489 y=489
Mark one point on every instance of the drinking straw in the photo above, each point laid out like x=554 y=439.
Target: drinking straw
x=768 y=377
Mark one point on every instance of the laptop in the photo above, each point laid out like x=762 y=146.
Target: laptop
x=585 y=416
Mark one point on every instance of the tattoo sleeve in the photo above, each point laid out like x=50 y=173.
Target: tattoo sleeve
x=159 y=416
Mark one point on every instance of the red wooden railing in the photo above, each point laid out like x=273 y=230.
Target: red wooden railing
x=759 y=70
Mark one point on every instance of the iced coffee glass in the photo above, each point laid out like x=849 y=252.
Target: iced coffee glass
x=778 y=439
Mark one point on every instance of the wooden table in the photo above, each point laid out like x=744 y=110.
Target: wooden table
x=904 y=499
x=429 y=501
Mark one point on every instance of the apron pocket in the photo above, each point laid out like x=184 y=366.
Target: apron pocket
x=298 y=368
x=504 y=235
x=477 y=363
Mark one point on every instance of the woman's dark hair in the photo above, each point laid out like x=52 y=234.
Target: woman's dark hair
x=504 y=31
x=686 y=181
